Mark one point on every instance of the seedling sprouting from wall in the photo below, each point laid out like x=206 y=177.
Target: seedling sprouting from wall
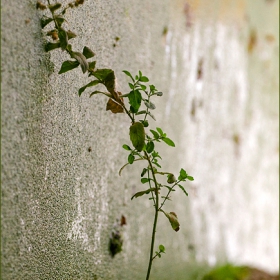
x=138 y=104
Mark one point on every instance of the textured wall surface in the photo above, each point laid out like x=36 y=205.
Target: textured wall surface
x=61 y=200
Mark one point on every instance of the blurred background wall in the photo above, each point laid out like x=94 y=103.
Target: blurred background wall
x=217 y=64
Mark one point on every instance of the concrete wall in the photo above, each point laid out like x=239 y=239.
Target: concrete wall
x=60 y=201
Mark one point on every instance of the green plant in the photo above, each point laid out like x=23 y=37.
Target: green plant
x=138 y=105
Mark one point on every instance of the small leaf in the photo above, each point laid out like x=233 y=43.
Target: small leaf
x=159 y=93
x=51 y=46
x=71 y=34
x=59 y=20
x=95 y=92
x=183 y=175
x=143 y=87
x=152 y=88
x=126 y=147
x=54 y=7
x=128 y=74
x=171 y=179
x=161 y=248
x=45 y=21
x=150 y=147
x=143 y=192
x=90 y=84
x=145 y=180
x=151 y=115
x=88 y=53
x=172 y=217
x=114 y=107
x=135 y=100
x=183 y=189
x=156 y=135
x=168 y=141
x=137 y=136
x=91 y=65
x=160 y=131
x=144 y=172
x=145 y=123
x=150 y=105
x=141 y=112
x=190 y=178
x=68 y=65
x=101 y=74
x=143 y=79
x=130 y=158
x=81 y=59
x=63 y=37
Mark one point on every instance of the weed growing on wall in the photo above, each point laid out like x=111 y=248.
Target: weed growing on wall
x=138 y=104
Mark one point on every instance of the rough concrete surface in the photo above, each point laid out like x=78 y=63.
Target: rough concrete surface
x=61 y=192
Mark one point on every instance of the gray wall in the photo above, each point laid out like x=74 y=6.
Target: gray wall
x=60 y=202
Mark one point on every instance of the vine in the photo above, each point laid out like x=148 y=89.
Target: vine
x=137 y=104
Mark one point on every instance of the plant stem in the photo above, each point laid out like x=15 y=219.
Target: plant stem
x=155 y=219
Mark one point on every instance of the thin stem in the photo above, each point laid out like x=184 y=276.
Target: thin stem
x=170 y=190
x=155 y=219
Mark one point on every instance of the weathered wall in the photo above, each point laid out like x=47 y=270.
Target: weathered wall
x=60 y=201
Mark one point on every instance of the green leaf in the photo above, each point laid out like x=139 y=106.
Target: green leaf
x=143 y=87
x=145 y=180
x=143 y=79
x=54 y=7
x=150 y=105
x=68 y=65
x=160 y=131
x=144 y=172
x=152 y=88
x=183 y=175
x=145 y=123
x=137 y=136
x=152 y=116
x=51 y=46
x=91 y=65
x=159 y=93
x=95 y=92
x=168 y=141
x=190 y=178
x=59 y=20
x=183 y=189
x=130 y=158
x=141 y=112
x=126 y=147
x=128 y=74
x=63 y=37
x=88 y=53
x=135 y=100
x=90 y=84
x=169 y=188
x=171 y=179
x=131 y=85
x=71 y=34
x=156 y=135
x=143 y=192
x=45 y=21
x=150 y=147
x=161 y=248
x=101 y=74
x=81 y=59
